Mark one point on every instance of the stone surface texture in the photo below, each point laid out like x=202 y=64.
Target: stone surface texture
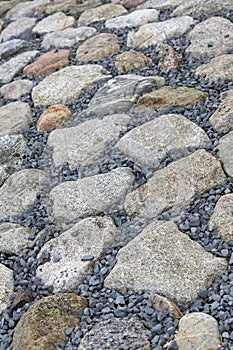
x=219 y=68
x=53 y=23
x=128 y=3
x=6 y=286
x=136 y=18
x=16 y=89
x=222 y=119
x=17 y=27
x=171 y=58
x=130 y=60
x=225 y=152
x=14 y=239
x=162 y=304
x=53 y=117
x=11 y=47
x=15 y=116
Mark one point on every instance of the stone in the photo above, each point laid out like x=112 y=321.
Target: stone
x=211 y=37
x=53 y=117
x=71 y=7
x=225 y=152
x=72 y=82
x=12 y=67
x=67 y=37
x=198 y=330
x=13 y=239
x=160 y=4
x=153 y=33
x=136 y=18
x=43 y=325
x=116 y=334
x=48 y=63
x=199 y=7
x=222 y=217
x=15 y=116
x=86 y=142
x=100 y=13
x=72 y=200
x=6 y=286
x=16 y=89
x=171 y=58
x=1 y=24
x=167 y=96
x=12 y=150
x=9 y=48
x=119 y=94
x=169 y=135
x=128 y=3
x=98 y=47
x=24 y=9
x=15 y=28
x=162 y=304
x=69 y=272
x=19 y=191
x=219 y=68
x=173 y=187
x=222 y=119
x=169 y=262
x=130 y=60
x=53 y=23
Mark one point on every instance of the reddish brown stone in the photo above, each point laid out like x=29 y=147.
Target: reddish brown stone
x=128 y=3
x=48 y=63
x=53 y=117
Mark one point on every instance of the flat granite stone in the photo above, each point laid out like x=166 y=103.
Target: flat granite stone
x=6 y=286
x=211 y=37
x=16 y=89
x=72 y=82
x=100 y=13
x=153 y=33
x=116 y=334
x=53 y=23
x=225 y=148
x=199 y=7
x=53 y=117
x=13 y=239
x=24 y=9
x=170 y=263
x=128 y=3
x=168 y=135
x=171 y=58
x=15 y=28
x=198 y=330
x=87 y=141
x=173 y=187
x=65 y=270
x=222 y=217
x=119 y=94
x=219 y=68
x=43 y=326
x=90 y=195
x=130 y=60
x=136 y=18
x=19 y=191
x=9 y=48
x=222 y=119
x=15 y=116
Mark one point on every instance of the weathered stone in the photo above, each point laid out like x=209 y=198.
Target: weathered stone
x=90 y=195
x=87 y=141
x=7 y=5
x=12 y=67
x=171 y=59
x=118 y=95
x=15 y=28
x=222 y=217
x=15 y=116
x=1 y=24
x=162 y=304
x=19 y=191
x=10 y=47
x=43 y=325
x=170 y=263
x=6 y=286
x=199 y=7
x=136 y=18
x=12 y=149
x=48 y=63
x=65 y=270
x=72 y=7
x=116 y=334
x=24 y=8
x=67 y=37
x=153 y=33
x=53 y=23
x=219 y=68
x=72 y=81
x=168 y=135
x=173 y=187
x=52 y=118
x=198 y=330
x=13 y=239
x=160 y=4
x=211 y=37
x=128 y=3
x=16 y=89
x=223 y=117
x=98 y=47
x=167 y=96
x=130 y=60
x=225 y=147
x=100 y=13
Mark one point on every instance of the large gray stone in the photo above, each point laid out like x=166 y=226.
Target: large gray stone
x=219 y=68
x=53 y=23
x=24 y=8
x=164 y=259
x=66 y=270
x=87 y=141
x=100 y=13
x=72 y=7
x=199 y=7
x=10 y=47
x=225 y=148
x=223 y=116
x=15 y=116
x=19 y=191
x=6 y=286
x=72 y=82
x=160 y=4
x=173 y=187
x=17 y=27
x=14 y=239
x=16 y=89
x=168 y=135
x=90 y=195
x=133 y=19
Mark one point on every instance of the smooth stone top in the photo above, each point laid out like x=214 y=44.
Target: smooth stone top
x=9 y=48
x=225 y=148
x=24 y=9
x=13 y=239
x=219 y=68
x=53 y=23
x=136 y=18
x=16 y=89
x=6 y=286
x=17 y=27
x=198 y=7
x=15 y=116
